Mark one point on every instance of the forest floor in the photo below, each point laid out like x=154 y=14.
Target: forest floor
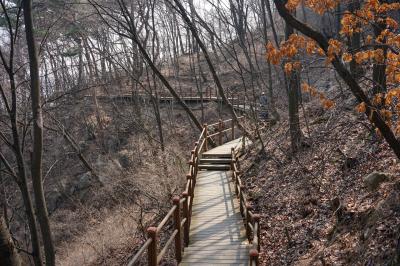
x=316 y=207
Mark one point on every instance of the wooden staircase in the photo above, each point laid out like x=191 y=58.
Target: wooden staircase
x=215 y=163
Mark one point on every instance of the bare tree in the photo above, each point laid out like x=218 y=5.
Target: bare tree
x=36 y=164
x=8 y=252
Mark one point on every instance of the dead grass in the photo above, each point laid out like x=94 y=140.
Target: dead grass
x=109 y=236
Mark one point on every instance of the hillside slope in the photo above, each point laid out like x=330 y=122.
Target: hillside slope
x=321 y=206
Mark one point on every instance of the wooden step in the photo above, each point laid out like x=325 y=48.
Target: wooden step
x=214 y=167
x=217 y=155
x=216 y=161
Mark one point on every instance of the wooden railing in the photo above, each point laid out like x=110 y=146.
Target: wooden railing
x=181 y=211
x=251 y=220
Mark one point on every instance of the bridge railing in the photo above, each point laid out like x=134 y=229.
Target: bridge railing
x=181 y=211
x=251 y=219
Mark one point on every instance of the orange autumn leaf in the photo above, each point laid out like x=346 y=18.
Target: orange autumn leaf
x=297 y=65
x=328 y=104
x=379 y=56
x=288 y=68
x=361 y=108
x=347 y=57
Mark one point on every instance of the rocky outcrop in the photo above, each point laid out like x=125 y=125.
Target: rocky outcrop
x=374 y=180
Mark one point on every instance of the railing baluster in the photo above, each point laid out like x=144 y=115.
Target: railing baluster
x=196 y=158
x=205 y=137
x=241 y=199
x=256 y=219
x=235 y=175
x=248 y=220
x=177 y=221
x=220 y=132
x=189 y=178
x=233 y=129
x=152 y=249
x=253 y=257
x=191 y=194
x=192 y=162
x=186 y=227
x=232 y=159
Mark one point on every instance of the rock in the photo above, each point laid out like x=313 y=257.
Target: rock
x=335 y=204
x=124 y=159
x=53 y=200
x=106 y=168
x=84 y=182
x=112 y=143
x=373 y=180
x=83 y=145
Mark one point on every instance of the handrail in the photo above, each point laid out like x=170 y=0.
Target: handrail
x=182 y=204
x=166 y=218
x=251 y=220
x=140 y=252
x=162 y=252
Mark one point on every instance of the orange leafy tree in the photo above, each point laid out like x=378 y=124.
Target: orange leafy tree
x=379 y=96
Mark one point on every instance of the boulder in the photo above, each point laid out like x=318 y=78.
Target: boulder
x=124 y=158
x=106 y=168
x=374 y=179
x=53 y=200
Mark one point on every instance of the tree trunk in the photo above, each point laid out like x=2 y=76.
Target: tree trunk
x=354 y=42
x=22 y=182
x=8 y=253
x=293 y=89
x=271 y=99
x=37 y=121
x=379 y=68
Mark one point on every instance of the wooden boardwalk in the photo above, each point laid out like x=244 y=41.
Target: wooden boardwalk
x=225 y=149
x=214 y=224
x=217 y=234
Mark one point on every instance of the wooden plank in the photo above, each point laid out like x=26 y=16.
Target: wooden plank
x=217 y=235
x=225 y=149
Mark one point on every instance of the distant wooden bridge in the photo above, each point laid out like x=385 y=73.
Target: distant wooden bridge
x=238 y=104
x=213 y=222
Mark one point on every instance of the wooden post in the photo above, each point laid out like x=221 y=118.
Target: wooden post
x=253 y=257
x=190 y=163
x=196 y=157
x=233 y=129
x=248 y=220
x=193 y=162
x=191 y=193
x=241 y=199
x=191 y=188
x=256 y=219
x=236 y=173
x=152 y=249
x=186 y=228
x=177 y=222
x=205 y=137
x=220 y=132
x=232 y=158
